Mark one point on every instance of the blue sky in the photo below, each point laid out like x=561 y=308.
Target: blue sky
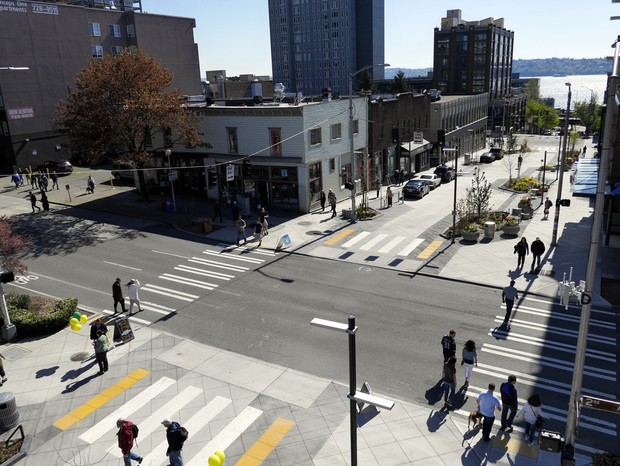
x=234 y=34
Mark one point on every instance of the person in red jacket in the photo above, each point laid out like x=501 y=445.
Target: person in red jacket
x=125 y=441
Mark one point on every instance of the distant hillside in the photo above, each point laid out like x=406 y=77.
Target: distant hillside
x=534 y=67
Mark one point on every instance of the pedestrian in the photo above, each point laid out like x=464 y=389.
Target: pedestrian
x=235 y=211
x=510 y=402
x=449 y=381
x=217 y=211
x=34 y=178
x=33 y=201
x=117 y=295
x=101 y=352
x=323 y=199
x=396 y=176
x=401 y=177
x=538 y=249
x=521 y=250
x=90 y=185
x=378 y=186
x=43 y=181
x=54 y=178
x=509 y=294
x=534 y=417
x=258 y=232
x=133 y=287
x=470 y=358
x=331 y=197
x=519 y=162
x=97 y=325
x=240 y=224
x=448 y=346
x=389 y=195
x=2 y=373
x=125 y=441
x=15 y=180
x=548 y=205
x=175 y=442
x=45 y=202
x=263 y=215
x=487 y=405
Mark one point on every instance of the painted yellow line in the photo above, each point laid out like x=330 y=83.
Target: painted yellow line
x=99 y=400
x=266 y=443
x=516 y=446
x=431 y=248
x=339 y=237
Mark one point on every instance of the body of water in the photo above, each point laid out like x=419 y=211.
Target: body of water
x=582 y=87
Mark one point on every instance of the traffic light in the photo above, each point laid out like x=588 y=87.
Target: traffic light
x=212 y=177
x=565 y=202
x=7 y=277
x=348 y=185
x=441 y=137
x=247 y=168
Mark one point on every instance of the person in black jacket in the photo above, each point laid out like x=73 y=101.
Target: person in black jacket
x=538 y=249
x=117 y=295
x=175 y=442
x=509 y=402
x=522 y=249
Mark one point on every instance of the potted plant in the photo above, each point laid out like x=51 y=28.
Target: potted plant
x=511 y=226
x=470 y=232
x=525 y=204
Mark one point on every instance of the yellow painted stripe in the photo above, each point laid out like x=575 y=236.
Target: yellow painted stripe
x=431 y=248
x=99 y=400
x=266 y=443
x=516 y=446
x=339 y=237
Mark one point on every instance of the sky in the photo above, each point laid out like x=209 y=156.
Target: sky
x=233 y=35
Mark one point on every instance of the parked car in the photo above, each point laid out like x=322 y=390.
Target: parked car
x=487 y=157
x=497 y=153
x=432 y=180
x=122 y=171
x=61 y=167
x=446 y=173
x=416 y=188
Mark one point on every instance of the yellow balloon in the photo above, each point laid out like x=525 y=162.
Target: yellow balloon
x=73 y=321
x=83 y=318
x=221 y=454
x=214 y=460
x=77 y=327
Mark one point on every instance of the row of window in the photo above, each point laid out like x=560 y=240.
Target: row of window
x=114 y=30
x=97 y=50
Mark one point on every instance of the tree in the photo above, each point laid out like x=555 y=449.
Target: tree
x=11 y=245
x=399 y=83
x=366 y=83
x=119 y=104
x=532 y=90
x=589 y=112
x=541 y=116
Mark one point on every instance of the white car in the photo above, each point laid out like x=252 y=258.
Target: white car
x=432 y=180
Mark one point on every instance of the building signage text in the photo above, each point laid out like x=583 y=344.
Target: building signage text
x=20 y=113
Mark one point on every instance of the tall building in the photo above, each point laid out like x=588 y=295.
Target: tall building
x=316 y=44
x=45 y=44
x=472 y=57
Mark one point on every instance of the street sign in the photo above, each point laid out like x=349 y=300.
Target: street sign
x=230 y=172
x=418 y=137
x=600 y=404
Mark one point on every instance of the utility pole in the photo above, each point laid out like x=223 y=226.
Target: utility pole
x=556 y=216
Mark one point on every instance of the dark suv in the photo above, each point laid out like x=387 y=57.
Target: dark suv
x=446 y=173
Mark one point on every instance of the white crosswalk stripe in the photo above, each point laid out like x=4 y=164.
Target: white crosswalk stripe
x=356 y=239
x=392 y=244
x=411 y=246
x=376 y=240
x=188 y=281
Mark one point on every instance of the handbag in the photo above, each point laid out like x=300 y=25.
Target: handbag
x=539 y=422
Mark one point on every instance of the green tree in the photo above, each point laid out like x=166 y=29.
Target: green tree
x=589 y=112
x=532 y=90
x=119 y=104
x=540 y=115
x=399 y=83
x=366 y=83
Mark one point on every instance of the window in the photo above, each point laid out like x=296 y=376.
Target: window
x=275 y=137
x=356 y=126
x=315 y=136
x=336 y=131
x=115 y=30
x=96 y=51
x=232 y=140
x=332 y=165
x=116 y=50
x=94 y=30
x=131 y=30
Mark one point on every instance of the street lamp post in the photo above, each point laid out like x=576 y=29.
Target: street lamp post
x=171 y=179
x=556 y=216
x=351 y=148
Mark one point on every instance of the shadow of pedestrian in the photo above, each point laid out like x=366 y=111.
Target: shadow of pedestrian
x=75 y=373
x=46 y=372
x=435 y=420
x=459 y=398
x=501 y=332
x=75 y=385
x=434 y=394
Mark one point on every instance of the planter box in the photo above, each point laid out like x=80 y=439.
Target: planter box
x=511 y=230
x=470 y=235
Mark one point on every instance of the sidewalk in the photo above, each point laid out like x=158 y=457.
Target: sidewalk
x=49 y=378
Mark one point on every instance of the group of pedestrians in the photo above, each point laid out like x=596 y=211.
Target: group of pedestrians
x=488 y=404
x=133 y=288
x=175 y=437
x=522 y=249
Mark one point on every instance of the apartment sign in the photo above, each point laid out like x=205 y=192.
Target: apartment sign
x=20 y=113
x=15 y=6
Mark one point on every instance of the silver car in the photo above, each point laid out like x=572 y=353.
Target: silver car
x=432 y=180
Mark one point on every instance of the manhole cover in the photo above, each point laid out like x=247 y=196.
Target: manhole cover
x=80 y=356
x=14 y=352
x=314 y=232
x=304 y=224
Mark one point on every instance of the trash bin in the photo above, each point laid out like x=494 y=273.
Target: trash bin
x=207 y=226
x=489 y=230
x=467 y=159
x=9 y=416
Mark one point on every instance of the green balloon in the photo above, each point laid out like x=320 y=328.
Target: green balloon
x=76 y=314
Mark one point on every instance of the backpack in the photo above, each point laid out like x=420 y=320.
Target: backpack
x=135 y=431
x=183 y=433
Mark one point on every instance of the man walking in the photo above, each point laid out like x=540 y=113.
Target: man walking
x=448 y=345
x=487 y=405
x=175 y=442
x=132 y=288
x=240 y=224
x=117 y=295
x=509 y=294
x=548 y=205
x=538 y=249
x=33 y=201
x=125 y=441
x=54 y=177
x=331 y=198
x=323 y=198
x=510 y=402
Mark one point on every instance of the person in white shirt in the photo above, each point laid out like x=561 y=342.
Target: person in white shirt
x=488 y=403
x=133 y=286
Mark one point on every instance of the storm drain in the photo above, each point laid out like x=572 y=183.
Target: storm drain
x=14 y=352
x=80 y=356
x=315 y=232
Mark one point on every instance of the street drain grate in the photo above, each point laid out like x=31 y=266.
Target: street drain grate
x=80 y=356
x=14 y=352
x=315 y=232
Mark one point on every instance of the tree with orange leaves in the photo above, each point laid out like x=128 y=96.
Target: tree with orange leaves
x=11 y=246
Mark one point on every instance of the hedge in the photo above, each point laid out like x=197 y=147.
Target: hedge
x=29 y=323
x=606 y=459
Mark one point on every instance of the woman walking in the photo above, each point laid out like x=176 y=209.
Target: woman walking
x=470 y=358
x=534 y=417
x=522 y=249
x=132 y=287
x=449 y=381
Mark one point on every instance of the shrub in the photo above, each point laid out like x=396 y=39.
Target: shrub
x=471 y=228
x=33 y=316
x=510 y=221
x=605 y=459
x=525 y=184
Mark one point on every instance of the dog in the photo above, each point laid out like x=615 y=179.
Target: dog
x=475 y=417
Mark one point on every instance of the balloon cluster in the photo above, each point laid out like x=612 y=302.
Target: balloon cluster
x=76 y=321
x=217 y=458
